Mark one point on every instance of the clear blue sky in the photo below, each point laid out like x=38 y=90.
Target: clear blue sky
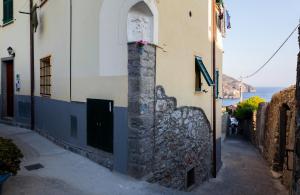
x=258 y=29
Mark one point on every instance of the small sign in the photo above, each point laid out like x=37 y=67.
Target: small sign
x=18 y=83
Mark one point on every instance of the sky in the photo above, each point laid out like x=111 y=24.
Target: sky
x=259 y=27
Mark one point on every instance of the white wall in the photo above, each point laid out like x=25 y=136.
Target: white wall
x=16 y=35
x=113 y=40
x=52 y=39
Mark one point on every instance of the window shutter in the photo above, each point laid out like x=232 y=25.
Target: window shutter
x=7 y=11
x=204 y=71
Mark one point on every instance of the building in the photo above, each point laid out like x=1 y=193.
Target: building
x=148 y=68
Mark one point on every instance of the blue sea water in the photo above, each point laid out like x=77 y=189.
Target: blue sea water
x=263 y=92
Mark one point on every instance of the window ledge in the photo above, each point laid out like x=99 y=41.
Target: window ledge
x=8 y=23
x=198 y=92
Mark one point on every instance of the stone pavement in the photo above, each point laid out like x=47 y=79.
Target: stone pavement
x=66 y=173
x=244 y=172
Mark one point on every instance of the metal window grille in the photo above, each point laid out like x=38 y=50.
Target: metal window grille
x=45 y=76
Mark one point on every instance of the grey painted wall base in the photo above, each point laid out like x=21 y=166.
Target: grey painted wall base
x=103 y=158
x=64 y=123
x=22 y=112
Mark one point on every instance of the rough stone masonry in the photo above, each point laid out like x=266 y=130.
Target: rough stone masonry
x=183 y=143
x=168 y=145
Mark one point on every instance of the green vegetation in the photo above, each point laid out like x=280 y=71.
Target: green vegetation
x=10 y=157
x=246 y=108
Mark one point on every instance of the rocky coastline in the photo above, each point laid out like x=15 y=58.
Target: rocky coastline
x=231 y=87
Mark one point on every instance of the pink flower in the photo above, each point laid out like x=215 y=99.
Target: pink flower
x=142 y=42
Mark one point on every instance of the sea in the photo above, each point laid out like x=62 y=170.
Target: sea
x=263 y=92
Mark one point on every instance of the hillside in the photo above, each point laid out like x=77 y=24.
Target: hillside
x=231 y=87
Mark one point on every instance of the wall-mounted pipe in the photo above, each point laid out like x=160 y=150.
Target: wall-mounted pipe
x=214 y=31
x=71 y=37
x=32 y=122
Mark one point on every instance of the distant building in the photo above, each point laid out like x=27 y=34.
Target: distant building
x=102 y=69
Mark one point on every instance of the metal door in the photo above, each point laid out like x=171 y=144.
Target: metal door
x=100 y=124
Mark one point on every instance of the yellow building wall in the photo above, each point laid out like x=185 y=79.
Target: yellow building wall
x=16 y=35
x=181 y=38
x=52 y=39
x=86 y=81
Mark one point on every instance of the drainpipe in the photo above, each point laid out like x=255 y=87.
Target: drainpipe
x=214 y=30
x=32 y=66
x=71 y=36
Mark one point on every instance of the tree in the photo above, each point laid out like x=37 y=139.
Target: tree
x=246 y=108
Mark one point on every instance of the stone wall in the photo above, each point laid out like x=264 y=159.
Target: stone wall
x=165 y=142
x=225 y=124
x=183 y=141
x=247 y=127
x=296 y=176
x=260 y=125
x=141 y=87
x=272 y=132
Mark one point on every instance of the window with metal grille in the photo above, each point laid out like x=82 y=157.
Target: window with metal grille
x=8 y=11
x=45 y=76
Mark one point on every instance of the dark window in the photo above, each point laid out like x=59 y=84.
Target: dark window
x=8 y=11
x=190 y=178
x=45 y=77
x=198 y=82
x=217 y=83
x=219 y=21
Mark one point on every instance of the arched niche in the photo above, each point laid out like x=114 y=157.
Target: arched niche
x=140 y=23
x=113 y=33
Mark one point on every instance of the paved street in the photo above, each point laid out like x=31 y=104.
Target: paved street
x=244 y=172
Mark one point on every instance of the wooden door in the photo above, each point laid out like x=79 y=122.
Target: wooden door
x=9 y=89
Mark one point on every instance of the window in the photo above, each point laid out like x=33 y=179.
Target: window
x=8 y=11
x=200 y=68
x=198 y=82
x=217 y=83
x=219 y=20
x=45 y=77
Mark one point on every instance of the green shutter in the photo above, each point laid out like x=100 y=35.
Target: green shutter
x=217 y=83
x=203 y=70
x=7 y=11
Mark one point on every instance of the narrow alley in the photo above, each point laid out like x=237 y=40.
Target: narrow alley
x=244 y=172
